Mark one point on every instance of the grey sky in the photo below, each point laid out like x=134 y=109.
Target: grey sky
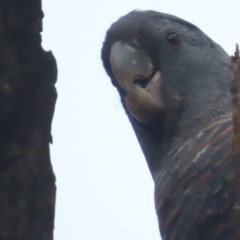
x=104 y=188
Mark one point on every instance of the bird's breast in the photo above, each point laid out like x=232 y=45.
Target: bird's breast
x=194 y=181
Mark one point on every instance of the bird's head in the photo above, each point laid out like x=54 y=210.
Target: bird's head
x=160 y=64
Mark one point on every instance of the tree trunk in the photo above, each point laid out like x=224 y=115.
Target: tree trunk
x=235 y=90
x=27 y=100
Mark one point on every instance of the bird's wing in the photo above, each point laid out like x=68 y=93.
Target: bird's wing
x=194 y=188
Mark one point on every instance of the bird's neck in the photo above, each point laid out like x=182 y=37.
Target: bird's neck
x=201 y=111
x=198 y=115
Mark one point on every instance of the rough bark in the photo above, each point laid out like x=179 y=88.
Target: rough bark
x=235 y=90
x=27 y=99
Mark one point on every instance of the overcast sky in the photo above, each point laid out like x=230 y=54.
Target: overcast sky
x=104 y=188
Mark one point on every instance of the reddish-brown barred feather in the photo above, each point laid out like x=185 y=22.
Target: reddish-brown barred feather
x=200 y=186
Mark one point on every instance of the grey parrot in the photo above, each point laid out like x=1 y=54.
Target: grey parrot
x=174 y=84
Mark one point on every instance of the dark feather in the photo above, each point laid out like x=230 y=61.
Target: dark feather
x=189 y=152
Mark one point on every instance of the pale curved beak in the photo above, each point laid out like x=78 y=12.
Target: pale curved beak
x=134 y=72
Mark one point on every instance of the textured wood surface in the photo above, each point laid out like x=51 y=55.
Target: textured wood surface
x=235 y=90
x=27 y=100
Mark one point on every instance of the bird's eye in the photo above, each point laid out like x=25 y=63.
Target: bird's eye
x=174 y=39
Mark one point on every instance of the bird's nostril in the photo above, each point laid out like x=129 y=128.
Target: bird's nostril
x=141 y=82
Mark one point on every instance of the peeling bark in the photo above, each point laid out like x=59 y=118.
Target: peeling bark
x=27 y=100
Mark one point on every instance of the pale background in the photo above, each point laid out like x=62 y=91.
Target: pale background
x=104 y=188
